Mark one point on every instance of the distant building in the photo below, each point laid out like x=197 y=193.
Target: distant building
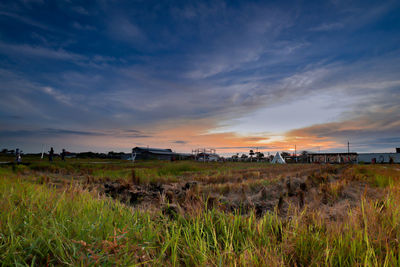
x=332 y=157
x=158 y=153
x=207 y=157
x=203 y=154
x=354 y=157
x=70 y=155
x=378 y=157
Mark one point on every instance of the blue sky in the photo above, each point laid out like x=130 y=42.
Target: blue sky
x=111 y=75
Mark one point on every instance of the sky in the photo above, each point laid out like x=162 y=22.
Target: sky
x=230 y=75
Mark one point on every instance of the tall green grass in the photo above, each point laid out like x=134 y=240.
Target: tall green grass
x=40 y=225
x=377 y=175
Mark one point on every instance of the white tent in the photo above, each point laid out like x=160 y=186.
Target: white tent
x=278 y=159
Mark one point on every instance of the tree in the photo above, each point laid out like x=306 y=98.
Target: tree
x=259 y=155
x=285 y=154
x=235 y=157
x=243 y=156
x=270 y=158
x=251 y=153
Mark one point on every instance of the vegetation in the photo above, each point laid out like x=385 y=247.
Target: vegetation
x=48 y=218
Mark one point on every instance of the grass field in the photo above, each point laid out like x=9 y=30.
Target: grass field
x=91 y=212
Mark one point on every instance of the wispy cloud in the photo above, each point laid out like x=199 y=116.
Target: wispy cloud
x=27 y=20
x=122 y=29
x=80 y=9
x=55 y=132
x=328 y=27
x=84 y=27
x=46 y=132
x=179 y=142
x=57 y=95
x=38 y=51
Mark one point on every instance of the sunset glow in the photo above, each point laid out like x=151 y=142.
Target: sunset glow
x=230 y=76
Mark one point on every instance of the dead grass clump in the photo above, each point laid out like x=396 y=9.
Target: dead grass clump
x=335 y=188
x=264 y=193
x=300 y=196
x=134 y=178
x=254 y=174
x=43 y=179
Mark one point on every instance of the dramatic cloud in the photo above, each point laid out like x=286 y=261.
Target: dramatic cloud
x=113 y=75
x=375 y=125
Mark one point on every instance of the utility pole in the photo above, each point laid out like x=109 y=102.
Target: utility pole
x=348 y=147
x=295 y=152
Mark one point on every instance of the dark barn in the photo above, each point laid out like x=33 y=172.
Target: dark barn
x=158 y=153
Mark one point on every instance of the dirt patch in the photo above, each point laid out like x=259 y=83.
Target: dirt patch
x=151 y=194
x=325 y=192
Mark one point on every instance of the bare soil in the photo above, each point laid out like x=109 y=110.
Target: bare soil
x=320 y=190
